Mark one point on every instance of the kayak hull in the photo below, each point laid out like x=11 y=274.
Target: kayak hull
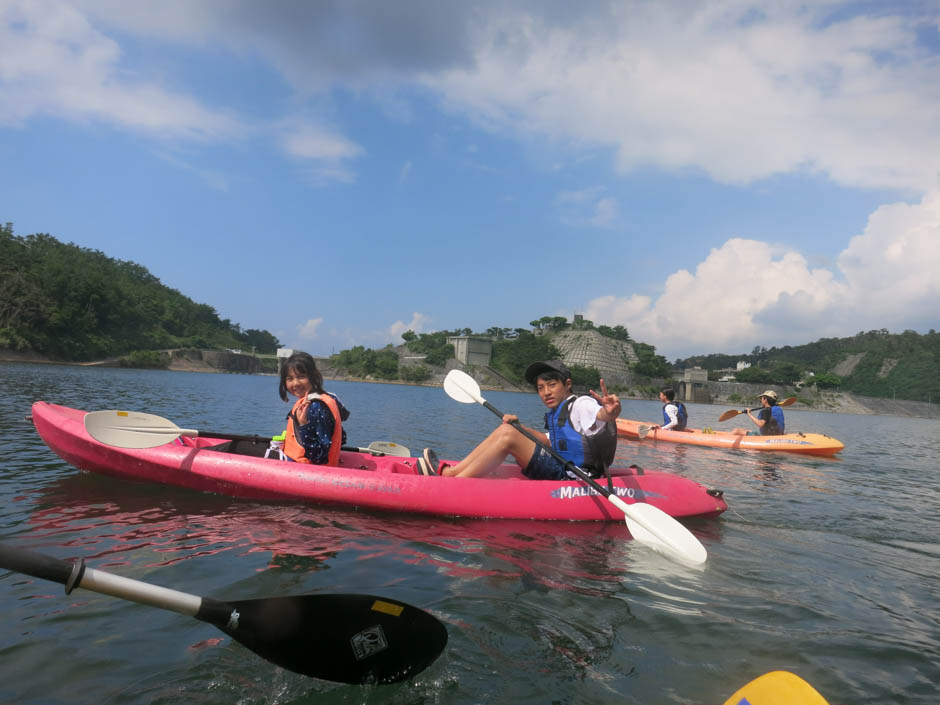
x=363 y=480
x=806 y=443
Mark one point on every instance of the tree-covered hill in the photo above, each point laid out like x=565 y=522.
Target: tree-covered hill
x=876 y=364
x=72 y=303
x=424 y=354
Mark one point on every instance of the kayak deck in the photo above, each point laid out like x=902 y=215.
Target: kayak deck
x=364 y=480
x=807 y=443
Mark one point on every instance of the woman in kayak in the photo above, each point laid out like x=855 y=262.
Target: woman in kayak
x=315 y=430
x=581 y=429
x=769 y=419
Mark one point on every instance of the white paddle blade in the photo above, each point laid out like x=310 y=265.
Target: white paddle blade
x=643 y=431
x=652 y=526
x=132 y=429
x=462 y=387
x=389 y=448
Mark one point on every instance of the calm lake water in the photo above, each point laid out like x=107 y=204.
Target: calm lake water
x=826 y=567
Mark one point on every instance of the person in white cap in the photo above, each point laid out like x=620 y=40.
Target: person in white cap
x=769 y=419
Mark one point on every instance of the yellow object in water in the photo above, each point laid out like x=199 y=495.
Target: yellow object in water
x=777 y=688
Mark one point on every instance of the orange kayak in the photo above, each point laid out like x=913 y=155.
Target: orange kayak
x=807 y=443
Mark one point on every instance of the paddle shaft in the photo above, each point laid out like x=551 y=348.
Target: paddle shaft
x=192 y=433
x=728 y=415
x=386 y=446
x=74 y=575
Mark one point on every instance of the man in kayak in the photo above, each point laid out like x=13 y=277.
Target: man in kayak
x=581 y=429
x=675 y=417
x=769 y=419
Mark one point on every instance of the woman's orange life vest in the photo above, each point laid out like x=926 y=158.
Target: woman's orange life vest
x=292 y=447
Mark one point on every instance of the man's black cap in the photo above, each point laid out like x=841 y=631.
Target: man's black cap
x=536 y=368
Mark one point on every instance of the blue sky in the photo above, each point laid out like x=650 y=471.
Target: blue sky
x=712 y=176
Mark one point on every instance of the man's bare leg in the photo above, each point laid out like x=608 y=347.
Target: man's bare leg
x=490 y=453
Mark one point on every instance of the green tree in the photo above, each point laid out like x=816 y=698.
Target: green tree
x=649 y=363
x=414 y=373
x=587 y=377
x=386 y=364
x=512 y=357
x=617 y=332
x=433 y=346
x=74 y=303
x=755 y=375
x=786 y=373
x=261 y=341
x=826 y=380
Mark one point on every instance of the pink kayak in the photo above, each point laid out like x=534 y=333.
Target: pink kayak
x=365 y=480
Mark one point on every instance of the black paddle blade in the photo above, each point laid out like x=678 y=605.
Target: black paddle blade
x=335 y=637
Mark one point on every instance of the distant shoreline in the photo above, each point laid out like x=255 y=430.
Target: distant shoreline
x=838 y=402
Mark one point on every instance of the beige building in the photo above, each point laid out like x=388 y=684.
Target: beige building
x=472 y=350
x=694 y=385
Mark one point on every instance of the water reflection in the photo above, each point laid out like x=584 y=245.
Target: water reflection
x=109 y=520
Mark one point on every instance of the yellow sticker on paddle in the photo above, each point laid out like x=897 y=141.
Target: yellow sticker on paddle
x=387 y=608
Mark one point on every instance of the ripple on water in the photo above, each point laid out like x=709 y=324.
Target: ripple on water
x=822 y=566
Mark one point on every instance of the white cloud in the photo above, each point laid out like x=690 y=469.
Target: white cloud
x=748 y=293
x=605 y=213
x=733 y=88
x=580 y=196
x=736 y=89
x=419 y=323
x=892 y=268
x=53 y=62
x=405 y=172
x=588 y=206
x=317 y=142
x=308 y=330
x=325 y=151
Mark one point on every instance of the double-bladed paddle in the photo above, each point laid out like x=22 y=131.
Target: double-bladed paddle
x=777 y=688
x=135 y=429
x=346 y=638
x=731 y=414
x=648 y=524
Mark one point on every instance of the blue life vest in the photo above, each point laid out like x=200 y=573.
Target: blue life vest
x=682 y=416
x=773 y=425
x=592 y=453
x=777 y=414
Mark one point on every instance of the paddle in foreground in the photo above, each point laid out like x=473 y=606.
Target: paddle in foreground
x=777 y=688
x=347 y=638
x=649 y=525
